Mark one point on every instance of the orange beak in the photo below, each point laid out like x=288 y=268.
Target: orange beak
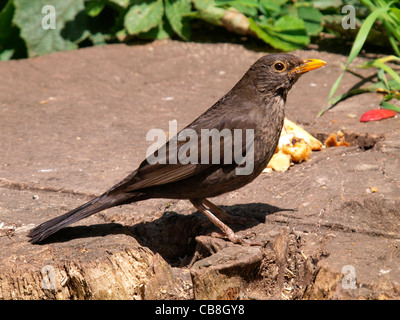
x=309 y=64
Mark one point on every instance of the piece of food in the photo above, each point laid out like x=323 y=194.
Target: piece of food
x=280 y=161
x=295 y=145
x=299 y=150
x=373 y=189
x=332 y=141
x=299 y=132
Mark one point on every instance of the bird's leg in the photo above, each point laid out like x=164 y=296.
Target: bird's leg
x=220 y=213
x=224 y=228
x=226 y=217
x=199 y=205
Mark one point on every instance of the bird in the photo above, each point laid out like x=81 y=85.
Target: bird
x=255 y=105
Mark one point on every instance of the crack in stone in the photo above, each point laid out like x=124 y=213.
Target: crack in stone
x=16 y=185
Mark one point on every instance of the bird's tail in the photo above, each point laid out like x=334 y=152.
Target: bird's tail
x=47 y=228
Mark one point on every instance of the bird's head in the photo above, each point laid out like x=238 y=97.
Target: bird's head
x=274 y=74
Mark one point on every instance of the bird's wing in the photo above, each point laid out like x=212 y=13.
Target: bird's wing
x=148 y=175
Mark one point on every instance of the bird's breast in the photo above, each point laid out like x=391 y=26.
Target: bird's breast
x=269 y=129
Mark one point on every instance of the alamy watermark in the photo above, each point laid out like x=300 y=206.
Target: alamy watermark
x=49 y=278
x=203 y=148
x=349 y=20
x=49 y=20
x=349 y=280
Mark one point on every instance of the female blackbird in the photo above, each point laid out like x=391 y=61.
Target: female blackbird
x=255 y=105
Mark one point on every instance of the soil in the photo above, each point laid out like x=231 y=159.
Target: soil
x=74 y=123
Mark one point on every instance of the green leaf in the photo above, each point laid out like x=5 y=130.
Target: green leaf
x=247 y=9
x=312 y=18
x=334 y=101
x=159 y=32
x=292 y=31
x=175 y=11
x=6 y=15
x=11 y=44
x=388 y=59
x=381 y=64
x=6 y=54
x=267 y=3
x=143 y=16
x=389 y=70
x=208 y=12
x=220 y=3
x=94 y=8
x=272 y=5
x=389 y=106
x=393 y=84
x=389 y=97
x=120 y=3
x=382 y=77
x=30 y=19
x=203 y=4
x=211 y=15
x=98 y=38
x=287 y=34
x=326 y=4
x=86 y=29
x=250 y=3
x=263 y=35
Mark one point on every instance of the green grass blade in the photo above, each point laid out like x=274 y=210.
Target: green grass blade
x=357 y=46
x=334 y=101
x=335 y=86
x=363 y=34
x=379 y=86
x=349 y=94
x=389 y=70
x=393 y=43
x=360 y=40
x=382 y=77
x=389 y=106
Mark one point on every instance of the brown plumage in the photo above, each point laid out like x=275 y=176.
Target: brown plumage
x=256 y=102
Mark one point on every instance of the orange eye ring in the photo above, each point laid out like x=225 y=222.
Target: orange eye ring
x=279 y=66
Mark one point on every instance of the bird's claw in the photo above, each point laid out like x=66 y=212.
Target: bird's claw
x=237 y=239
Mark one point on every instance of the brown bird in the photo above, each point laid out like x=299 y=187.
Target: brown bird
x=254 y=108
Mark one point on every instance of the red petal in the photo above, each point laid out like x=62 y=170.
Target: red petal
x=377 y=114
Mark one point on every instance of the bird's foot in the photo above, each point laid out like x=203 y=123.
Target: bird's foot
x=237 y=239
x=234 y=238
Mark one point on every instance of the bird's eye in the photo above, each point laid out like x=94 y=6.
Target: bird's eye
x=279 y=66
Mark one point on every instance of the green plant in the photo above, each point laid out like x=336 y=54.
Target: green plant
x=283 y=24
x=388 y=13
